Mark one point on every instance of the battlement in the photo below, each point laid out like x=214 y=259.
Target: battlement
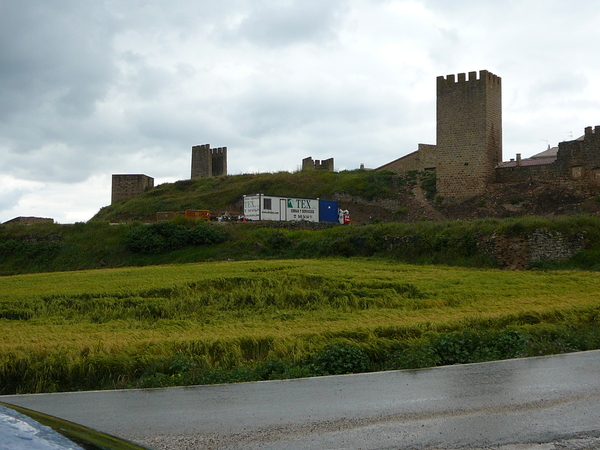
x=469 y=132
x=591 y=133
x=208 y=162
x=484 y=76
x=326 y=164
x=218 y=151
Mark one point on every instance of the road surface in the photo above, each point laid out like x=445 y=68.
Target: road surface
x=535 y=403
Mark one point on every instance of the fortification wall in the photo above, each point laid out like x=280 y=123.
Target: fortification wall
x=541 y=245
x=129 y=185
x=309 y=164
x=469 y=133
x=208 y=162
x=578 y=161
x=541 y=173
x=424 y=158
x=577 y=165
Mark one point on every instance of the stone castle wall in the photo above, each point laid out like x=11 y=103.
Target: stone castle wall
x=309 y=164
x=577 y=165
x=208 y=162
x=469 y=133
x=425 y=158
x=129 y=185
x=513 y=252
x=518 y=253
x=578 y=161
x=468 y=154
x=525 y=173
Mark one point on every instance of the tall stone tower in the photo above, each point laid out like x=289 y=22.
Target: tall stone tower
x=208 y=162
x=469 y=133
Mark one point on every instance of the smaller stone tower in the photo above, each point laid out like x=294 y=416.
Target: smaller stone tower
x=208 y=162
x=129 y=185
x=326 y=164
x=469 y=133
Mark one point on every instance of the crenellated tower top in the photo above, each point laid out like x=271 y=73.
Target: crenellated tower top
x=469 y=132
x=484 y=75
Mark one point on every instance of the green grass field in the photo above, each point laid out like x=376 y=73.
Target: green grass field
x=237 y=321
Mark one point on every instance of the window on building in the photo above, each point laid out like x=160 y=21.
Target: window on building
x=267 y=204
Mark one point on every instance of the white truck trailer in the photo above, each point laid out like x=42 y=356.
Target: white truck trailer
x=286 y=209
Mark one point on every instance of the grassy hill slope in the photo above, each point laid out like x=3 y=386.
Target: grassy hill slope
x=219 y=194
x=370 y=196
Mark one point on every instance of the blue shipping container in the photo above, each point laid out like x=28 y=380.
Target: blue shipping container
x=328 y=211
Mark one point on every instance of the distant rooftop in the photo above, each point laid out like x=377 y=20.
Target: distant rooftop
x=550 y=153
x=546 y=157
x=28 y=220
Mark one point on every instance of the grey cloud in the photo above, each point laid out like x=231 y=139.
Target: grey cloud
x=557 y=86
x=54 y=54
x=277 y=24
x=55 y=65
x=10 y=198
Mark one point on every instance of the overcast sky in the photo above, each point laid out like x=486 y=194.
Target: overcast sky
x=92 y=88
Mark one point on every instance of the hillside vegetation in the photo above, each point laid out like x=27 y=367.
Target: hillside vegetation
x=370 y=196
x=385 y=207
x=220 y=194
x=95 y=245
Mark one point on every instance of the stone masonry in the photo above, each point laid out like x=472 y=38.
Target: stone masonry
x=468 y=133
x=468 y=154
x=208 y=162
x=576 y=164
x=540 y=245
x=309 y=163
x=129 y=185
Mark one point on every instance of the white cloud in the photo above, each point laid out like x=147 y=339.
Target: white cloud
x=64 y=203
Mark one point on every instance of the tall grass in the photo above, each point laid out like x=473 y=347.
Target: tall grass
x=232 y=321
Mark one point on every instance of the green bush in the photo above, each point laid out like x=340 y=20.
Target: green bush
x=340 y=358
x=414 y=357
x=429 y=183
x=168 y=236
x=277 y=240
x=476 y=346
x=206 y=234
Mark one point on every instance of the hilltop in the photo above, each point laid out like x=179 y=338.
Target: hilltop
x=370 y=196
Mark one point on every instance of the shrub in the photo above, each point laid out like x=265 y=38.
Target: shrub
x=476 y=346
x=428 y=184
x=278 y=240
x=415 y=357
x=272 y=369
x=206 y=234
x=167 y=236
x=340 y=358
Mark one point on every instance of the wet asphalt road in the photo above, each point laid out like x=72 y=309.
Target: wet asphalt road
x=554 y=401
